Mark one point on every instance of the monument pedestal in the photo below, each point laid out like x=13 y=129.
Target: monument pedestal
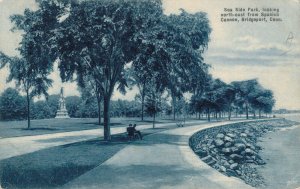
x=62 y=114
x=62 y=111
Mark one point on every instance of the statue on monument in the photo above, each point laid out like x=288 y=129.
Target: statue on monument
x=62 y=111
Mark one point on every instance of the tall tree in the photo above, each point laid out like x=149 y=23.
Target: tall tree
x=29 y=77
x=173 y=49
x=140 y=77
x=97 y=39
x=31 y=69
x=263 y=100
x=189 y=36
x=153 y=99
x=245 y=90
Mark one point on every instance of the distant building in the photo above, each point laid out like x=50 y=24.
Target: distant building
x=62 y=111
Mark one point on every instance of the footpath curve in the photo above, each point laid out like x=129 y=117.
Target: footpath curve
x=15 y=146
x=161 y=160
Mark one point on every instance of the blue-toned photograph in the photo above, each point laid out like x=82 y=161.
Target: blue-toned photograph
x=149 y=94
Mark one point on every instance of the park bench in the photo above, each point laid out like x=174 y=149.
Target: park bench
x=131 y=134
x=180 y=124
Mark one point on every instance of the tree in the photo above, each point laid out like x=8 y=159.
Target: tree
x=31 y=69
x=245 y=90
x=28 y=76
x=173 y=49
x=153 y=100
x=97 y=39
x=12 y=105
x=73 y=105
x=41 y=110
x=229 y=98
x=263 y=100
x=89 y=89
x=140 y=78
x=188 y=36
x=53 y=103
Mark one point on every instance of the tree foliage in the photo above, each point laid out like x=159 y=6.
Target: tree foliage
x=12 y=105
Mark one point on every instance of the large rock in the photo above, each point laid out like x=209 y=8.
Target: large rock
x=246 y=131
x=207 y=159
x=226 y=150
x=231 y=135
x=248 y=145
x=234 y=149
x=240 y=146
x=234 y=166
x=209 y=142
x=236 y=157
x=211 y=162
x=250 y=151
x=260 y=162
x=249 y=161
x=228 y=144
x=219 y=142
x=228 y=139
x=225 y=163
x=222 y=169
x=243 y=153
x=230 y=172
x=231 y=161
x=201 y=152
x=220 y=135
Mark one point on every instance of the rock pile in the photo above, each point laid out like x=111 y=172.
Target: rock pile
x=233 y=150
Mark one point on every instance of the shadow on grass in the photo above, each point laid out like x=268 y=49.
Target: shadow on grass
x=95 y=123
x=64 y=139
x=148 y=121
x=56 y=166
x=39 y=128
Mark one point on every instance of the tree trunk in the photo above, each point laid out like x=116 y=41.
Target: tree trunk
x=208 y=114
x=247 y=113
x=173 y=106
x=99 y=112
x=106 y=103
x=143 y=101
x=153 y=120
x=229 y=113
x=28 y=109
x=259 y=113
x=254 y=115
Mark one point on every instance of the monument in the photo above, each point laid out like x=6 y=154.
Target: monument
x=62 y=111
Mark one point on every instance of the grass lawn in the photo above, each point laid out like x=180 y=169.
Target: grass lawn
x=56 y=166
x=47 y=126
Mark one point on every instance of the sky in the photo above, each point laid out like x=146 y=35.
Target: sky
x=267 y=51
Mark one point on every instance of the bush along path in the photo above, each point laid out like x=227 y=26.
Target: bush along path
x=232 y=149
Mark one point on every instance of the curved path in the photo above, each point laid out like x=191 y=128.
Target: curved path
x=161 y=160
x=15 y=146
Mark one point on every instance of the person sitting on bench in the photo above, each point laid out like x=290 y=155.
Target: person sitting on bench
x=130 y=131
